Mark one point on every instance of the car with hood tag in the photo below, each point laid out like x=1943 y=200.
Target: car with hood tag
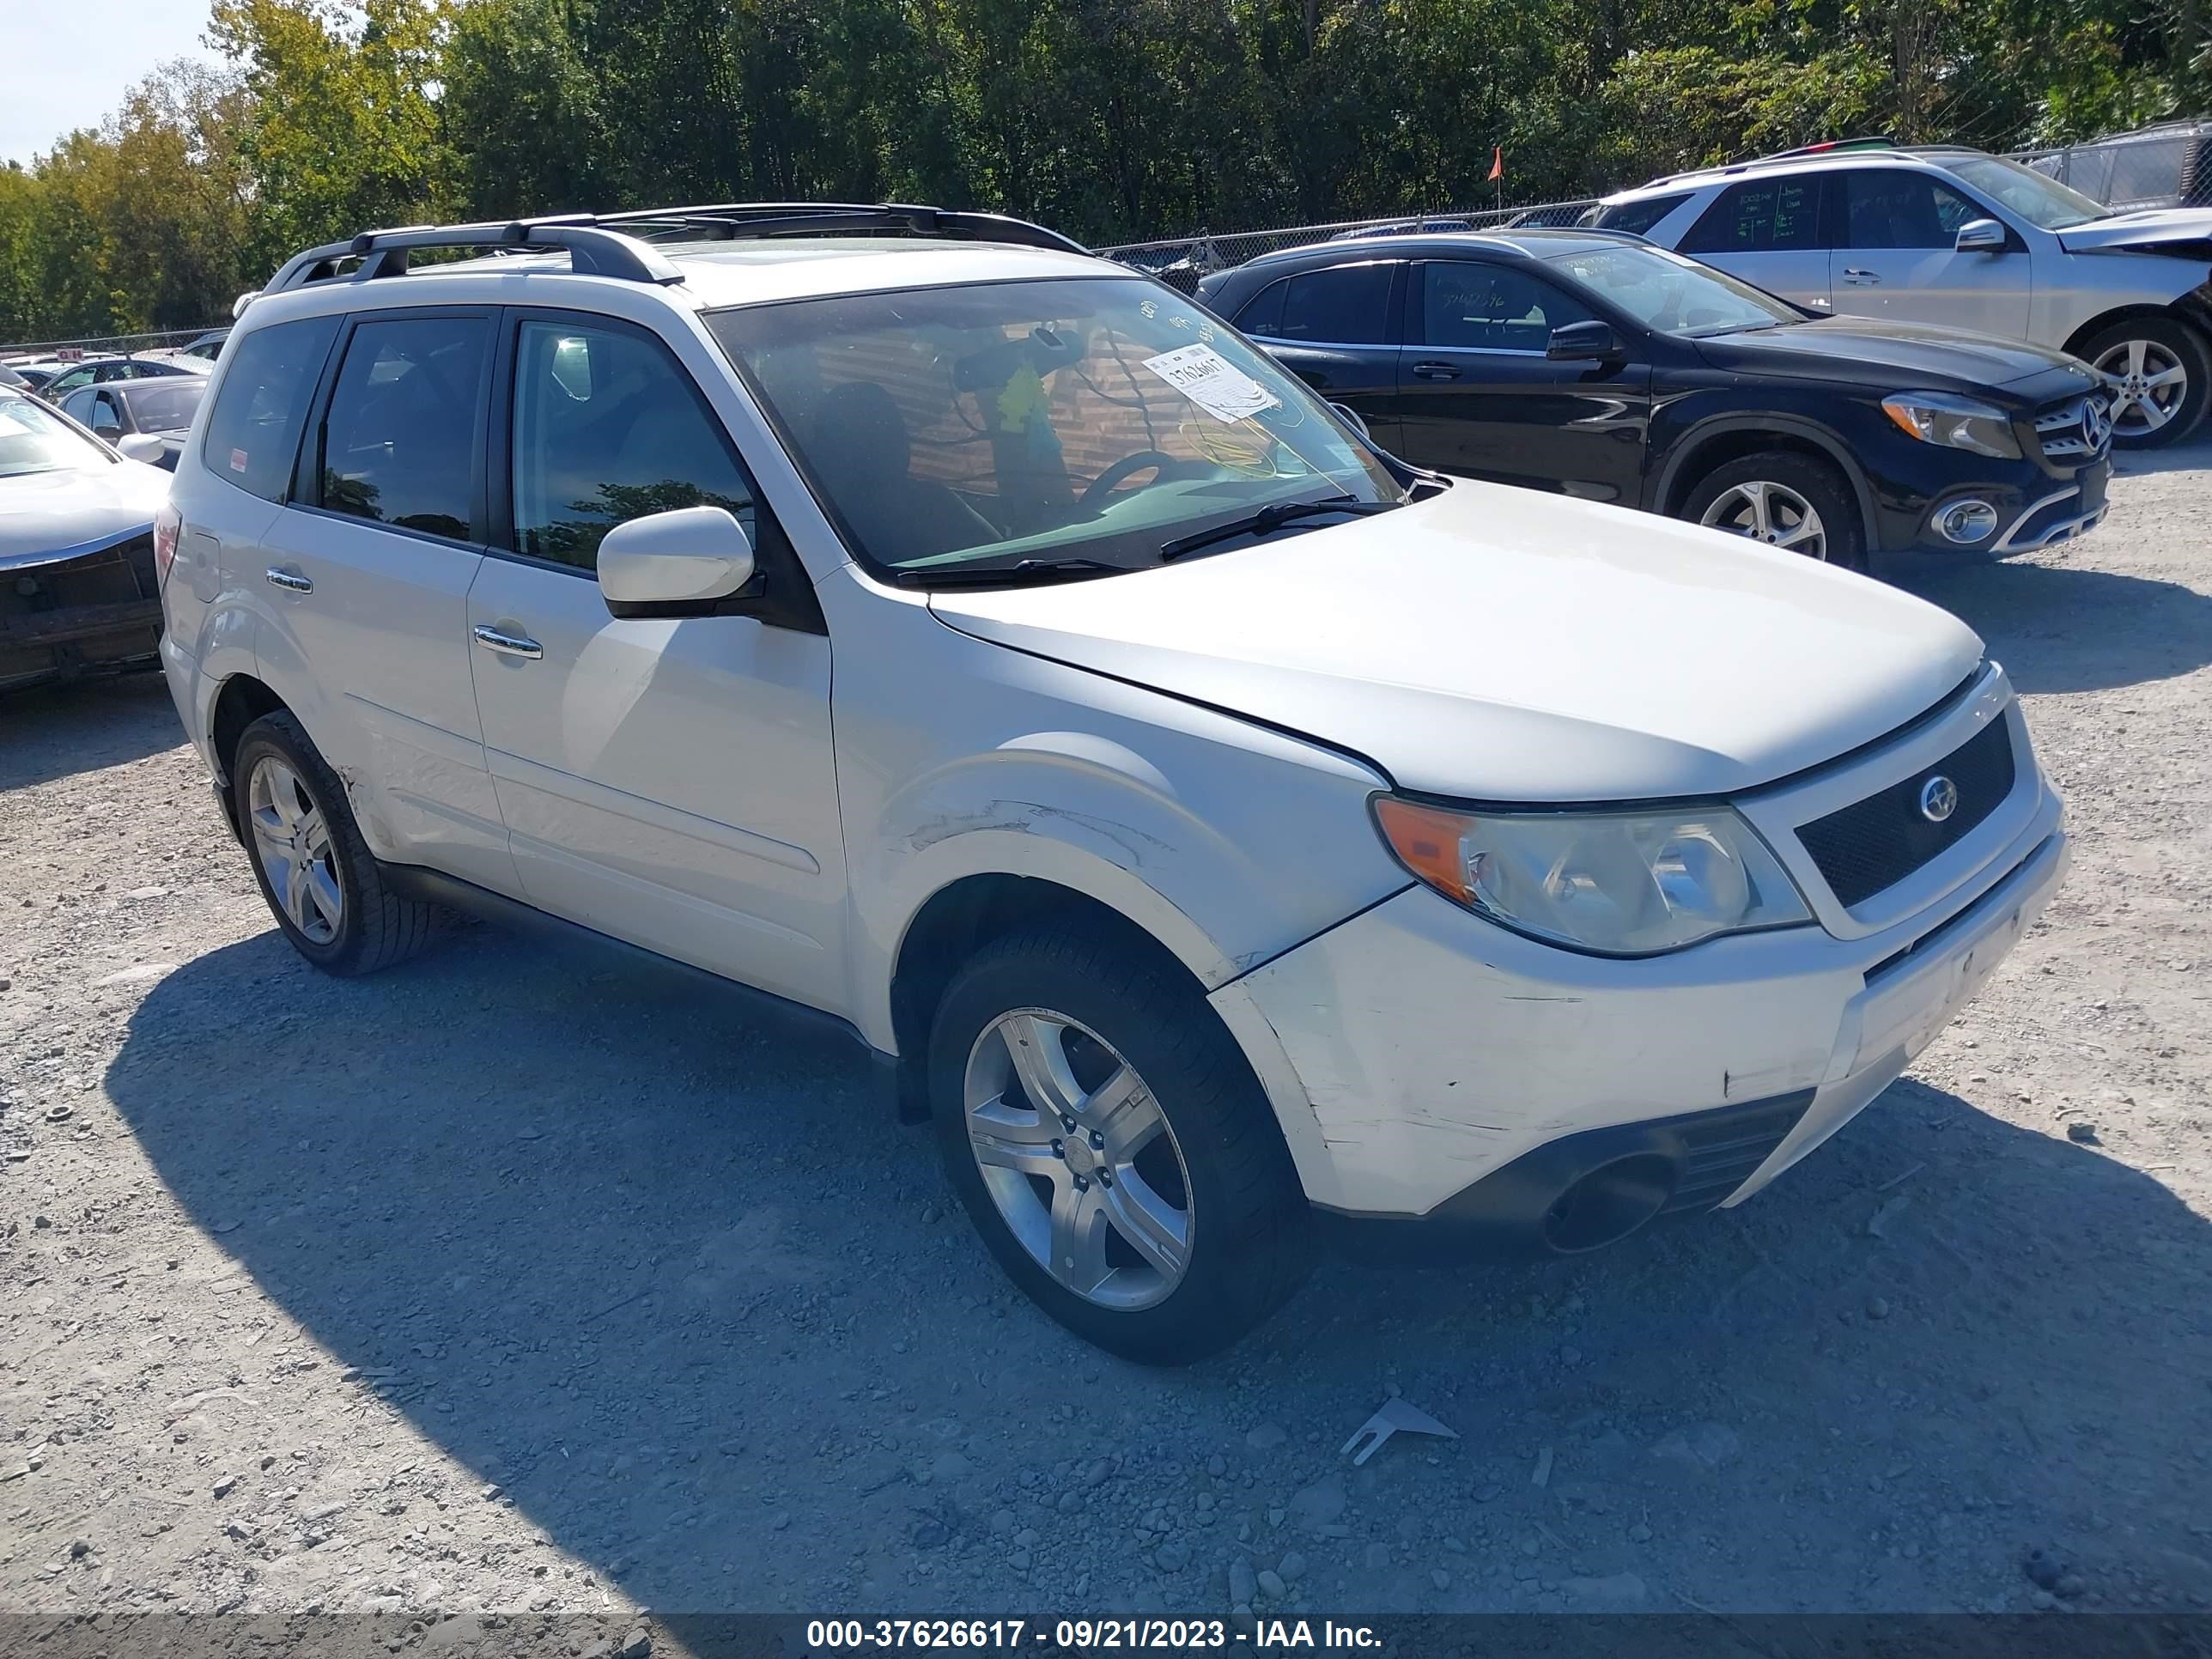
x=1223 y=835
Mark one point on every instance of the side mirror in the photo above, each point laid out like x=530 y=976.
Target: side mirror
x=1982 y=236
x=1350 y=417
x=1581 y=342
x=693 y=562
x=145 y=447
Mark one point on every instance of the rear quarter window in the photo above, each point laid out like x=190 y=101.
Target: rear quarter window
x=1762 y=215
x=254 y=430
x=1637 y=217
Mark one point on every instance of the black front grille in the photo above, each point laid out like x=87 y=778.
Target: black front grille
x=2078 y=429
x=1875 y=843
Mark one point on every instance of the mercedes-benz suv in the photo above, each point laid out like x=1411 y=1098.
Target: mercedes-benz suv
x=1220 y=830
x=1965 y=240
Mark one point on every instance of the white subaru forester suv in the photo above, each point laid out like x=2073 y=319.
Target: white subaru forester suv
x=1224 y=833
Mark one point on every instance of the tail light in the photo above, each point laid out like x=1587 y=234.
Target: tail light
x=167 y=525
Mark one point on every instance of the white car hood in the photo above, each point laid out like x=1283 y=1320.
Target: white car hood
x=2155 y=228
x=1498 y=644
x=46 y=516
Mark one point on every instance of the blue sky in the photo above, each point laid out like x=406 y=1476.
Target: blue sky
x=66 y=63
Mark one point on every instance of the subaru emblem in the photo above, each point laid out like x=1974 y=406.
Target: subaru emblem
x=1939 y=798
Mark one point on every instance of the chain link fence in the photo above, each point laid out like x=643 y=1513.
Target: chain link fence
x=107 y=345
x=2167 y=165
x=1182 y=261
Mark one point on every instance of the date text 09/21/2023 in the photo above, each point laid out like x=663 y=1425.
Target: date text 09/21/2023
x=1084 y=1635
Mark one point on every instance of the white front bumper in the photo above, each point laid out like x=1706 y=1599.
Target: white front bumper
x=1416 y=1049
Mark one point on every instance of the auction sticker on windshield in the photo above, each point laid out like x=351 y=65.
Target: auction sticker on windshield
x=1213 y=382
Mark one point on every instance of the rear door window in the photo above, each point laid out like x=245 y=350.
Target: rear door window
x=1346 y=305
x=1638 y=217
x=1760 y=215
x=254 y=430
x=399 y=442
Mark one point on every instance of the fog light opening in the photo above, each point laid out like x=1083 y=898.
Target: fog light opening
x=1965 y=523
x=1609 y=1203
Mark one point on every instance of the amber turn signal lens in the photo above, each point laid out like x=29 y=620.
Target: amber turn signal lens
x=1427 y=842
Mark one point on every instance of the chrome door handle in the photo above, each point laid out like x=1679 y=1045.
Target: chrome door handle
x=1852 y=274
x=291 y=579
x=1435 y=371
x=511 y=645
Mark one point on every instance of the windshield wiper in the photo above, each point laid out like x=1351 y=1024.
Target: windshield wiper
x=1272 y=517
x=1007 y=576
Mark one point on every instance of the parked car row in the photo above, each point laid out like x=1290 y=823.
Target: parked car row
x=1225 y=831
x=54 y=378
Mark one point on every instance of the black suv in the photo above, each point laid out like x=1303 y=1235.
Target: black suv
x=1593 y=363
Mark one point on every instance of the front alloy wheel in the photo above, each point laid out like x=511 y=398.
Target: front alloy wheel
x=2150 y=382
x=1769 y=512
x=1076 y=1157
x=1111 y=1143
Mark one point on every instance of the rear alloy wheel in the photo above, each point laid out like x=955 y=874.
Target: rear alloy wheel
x=2158 y=370
x=1785 y=500
x=1112 y=1146
x=324 y=886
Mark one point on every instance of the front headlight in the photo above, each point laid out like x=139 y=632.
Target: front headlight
x=1617 y=883
x=1937 y=417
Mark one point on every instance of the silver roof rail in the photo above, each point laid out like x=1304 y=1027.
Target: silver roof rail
x=592 y=250
x=616 y=245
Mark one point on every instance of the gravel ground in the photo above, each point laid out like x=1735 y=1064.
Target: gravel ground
x=514 y=1284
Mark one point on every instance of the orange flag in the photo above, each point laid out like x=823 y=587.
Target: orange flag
x=1496 y=162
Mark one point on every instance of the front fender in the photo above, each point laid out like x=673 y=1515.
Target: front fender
x=1226 y=841
x=1683 y=467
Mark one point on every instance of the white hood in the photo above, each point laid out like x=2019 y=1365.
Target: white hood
x=2155 y=228
x=1498 y=644
x=45 y=516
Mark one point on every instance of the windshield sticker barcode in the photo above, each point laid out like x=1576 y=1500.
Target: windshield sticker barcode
x=1213 y=382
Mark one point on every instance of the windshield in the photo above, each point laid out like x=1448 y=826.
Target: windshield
x=1674 y=296
x=166 y=405
x=33 y=439
x=2042 y=202
x=1086 y=419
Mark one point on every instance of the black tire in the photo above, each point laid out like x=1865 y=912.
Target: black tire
x=376 y=927
x=2190 y=350
x=1250 y=1239
x=1820 y=483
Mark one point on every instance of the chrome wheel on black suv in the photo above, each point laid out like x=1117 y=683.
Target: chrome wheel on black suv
x=1786 y=499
